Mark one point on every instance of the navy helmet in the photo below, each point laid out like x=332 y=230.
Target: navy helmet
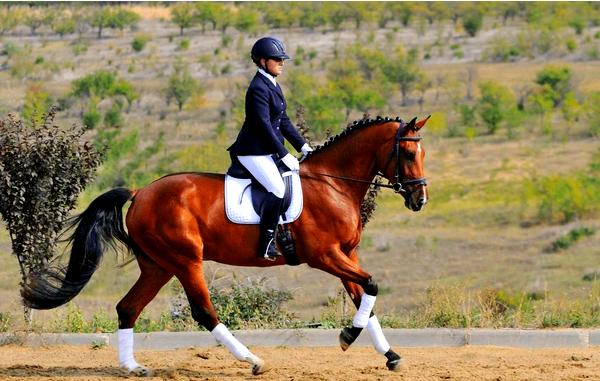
x=268 y=47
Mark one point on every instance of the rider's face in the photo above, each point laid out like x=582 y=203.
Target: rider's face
x=274 y=66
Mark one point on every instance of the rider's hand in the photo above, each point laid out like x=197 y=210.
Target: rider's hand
x=291 y=162
x=306 y=149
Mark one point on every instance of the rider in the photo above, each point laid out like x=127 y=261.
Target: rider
x=260 y=143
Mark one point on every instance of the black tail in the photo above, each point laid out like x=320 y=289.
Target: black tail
x=96 y=227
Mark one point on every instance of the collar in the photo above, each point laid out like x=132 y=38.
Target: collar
x=269 y=76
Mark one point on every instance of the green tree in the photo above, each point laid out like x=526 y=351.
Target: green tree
x=208 y=12
x=247 y=20
x=123 y=18
x=403 y=71
x=558 y=79
x=63 y=24
x=570 y=108
x=101 y=18
x=494 y=104
x=183 y=15
x=542 y=103
x=181 y=85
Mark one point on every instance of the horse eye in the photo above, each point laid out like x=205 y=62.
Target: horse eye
x=410 y=156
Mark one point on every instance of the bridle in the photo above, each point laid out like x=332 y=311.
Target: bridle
x=398 y=185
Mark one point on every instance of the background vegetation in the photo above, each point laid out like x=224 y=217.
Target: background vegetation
x=508 y=238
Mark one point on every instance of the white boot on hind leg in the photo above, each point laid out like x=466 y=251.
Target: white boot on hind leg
x=238 y=350
x=126 y=360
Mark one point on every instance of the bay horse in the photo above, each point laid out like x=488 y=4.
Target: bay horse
x=177 y=222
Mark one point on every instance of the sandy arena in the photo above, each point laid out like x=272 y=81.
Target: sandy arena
x=359 y=363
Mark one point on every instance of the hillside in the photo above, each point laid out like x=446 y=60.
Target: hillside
x=481 y=228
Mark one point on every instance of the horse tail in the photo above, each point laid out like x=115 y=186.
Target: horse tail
x=97 y=227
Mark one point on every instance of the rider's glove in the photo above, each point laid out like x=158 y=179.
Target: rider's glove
x=306 y=149
x=291 y=162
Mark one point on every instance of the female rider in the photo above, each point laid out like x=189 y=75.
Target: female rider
x=260 y=143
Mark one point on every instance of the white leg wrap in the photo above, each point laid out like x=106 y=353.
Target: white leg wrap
x=125 y=339
x=237 y=349
x=362 y=315
x=379 y=341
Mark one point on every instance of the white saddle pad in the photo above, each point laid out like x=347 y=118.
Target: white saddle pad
x=238 y=200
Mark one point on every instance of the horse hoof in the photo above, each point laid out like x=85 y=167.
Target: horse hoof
x=348 y=336
x=394 y=361
x=139 y=371
x=259 y=367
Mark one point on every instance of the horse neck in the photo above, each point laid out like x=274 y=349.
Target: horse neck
x=353 y=156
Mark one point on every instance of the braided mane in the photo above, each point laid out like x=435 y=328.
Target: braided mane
x=351 y=127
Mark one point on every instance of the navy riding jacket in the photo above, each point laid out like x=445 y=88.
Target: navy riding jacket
x=266 y=122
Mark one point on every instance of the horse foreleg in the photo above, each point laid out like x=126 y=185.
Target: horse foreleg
x=204 y=313
x=374 y=328
x=152 y=278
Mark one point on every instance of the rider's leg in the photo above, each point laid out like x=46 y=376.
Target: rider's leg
x=263 y=168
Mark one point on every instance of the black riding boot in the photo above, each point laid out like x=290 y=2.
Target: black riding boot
x=269 y=219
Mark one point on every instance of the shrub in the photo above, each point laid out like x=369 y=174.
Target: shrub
x=592 y=113
x=92 y=116
x=243 y=305
x=472 y=22
x=140 y=41
x=558 y=78
x=184 y=44
x=43 y=168
x=571 y=45
x=113 y=117
x=567 y=240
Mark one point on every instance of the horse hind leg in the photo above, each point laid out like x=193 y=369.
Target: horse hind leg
x=152 y=278
x=204 y=314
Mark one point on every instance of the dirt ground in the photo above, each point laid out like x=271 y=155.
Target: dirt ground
x=359 y=363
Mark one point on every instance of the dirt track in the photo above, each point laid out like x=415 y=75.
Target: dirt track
x=359 y=363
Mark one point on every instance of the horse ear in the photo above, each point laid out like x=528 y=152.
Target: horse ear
x=411 y=125
x=421 y=123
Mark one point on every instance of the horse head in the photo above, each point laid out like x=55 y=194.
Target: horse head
x=403 y=164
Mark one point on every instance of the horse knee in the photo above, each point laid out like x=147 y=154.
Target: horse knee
x=370 y=287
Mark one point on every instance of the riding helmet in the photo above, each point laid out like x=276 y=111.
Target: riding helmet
x=268 y=47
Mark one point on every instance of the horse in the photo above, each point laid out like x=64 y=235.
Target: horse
x=177 y=222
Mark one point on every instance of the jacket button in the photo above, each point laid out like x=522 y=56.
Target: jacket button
x=282 y=103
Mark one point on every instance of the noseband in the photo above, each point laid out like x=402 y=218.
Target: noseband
x=398 y=185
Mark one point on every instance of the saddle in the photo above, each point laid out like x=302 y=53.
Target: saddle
x=244 y=195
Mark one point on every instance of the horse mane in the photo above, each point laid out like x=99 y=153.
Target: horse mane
x=350 y=128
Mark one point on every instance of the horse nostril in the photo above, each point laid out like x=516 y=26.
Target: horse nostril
x=422 y=202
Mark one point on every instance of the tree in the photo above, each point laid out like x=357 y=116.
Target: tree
x=592 y=113
x=100 y=19
x=43 y=168
x=182 y=15
x=207 y=12
x=181 y=85
x=494 y=104
x=558 y=78
x=403 y=71
x=247 y=20
x=63 y=24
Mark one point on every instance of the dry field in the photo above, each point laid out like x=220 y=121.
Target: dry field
x=361 y=363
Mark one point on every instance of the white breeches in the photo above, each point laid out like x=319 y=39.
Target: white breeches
x=263 y=168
